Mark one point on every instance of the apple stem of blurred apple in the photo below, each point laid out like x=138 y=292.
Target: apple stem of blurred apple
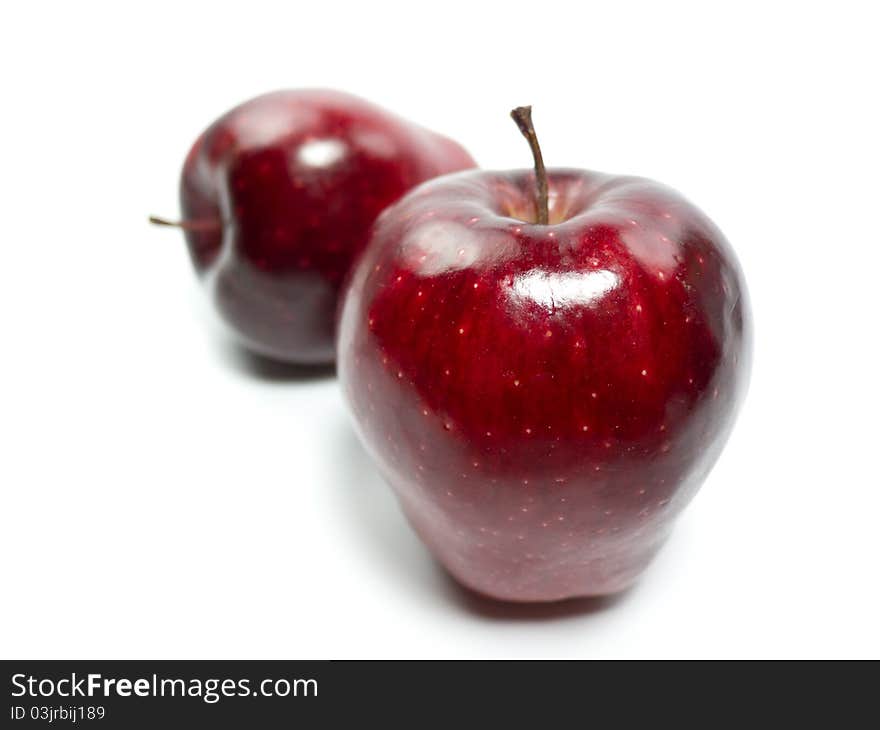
x=522 y=115
x=207 y=224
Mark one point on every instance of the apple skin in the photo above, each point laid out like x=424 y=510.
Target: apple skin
x=544 y=400
x=292 y=181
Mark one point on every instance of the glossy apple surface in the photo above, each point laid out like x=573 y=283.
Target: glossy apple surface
x=544 y=399
x=280 y=194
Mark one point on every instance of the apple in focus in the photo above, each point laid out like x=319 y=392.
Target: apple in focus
x=278 y=196
x=544 y=398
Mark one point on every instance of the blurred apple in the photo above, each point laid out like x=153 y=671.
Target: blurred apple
x=278 y=196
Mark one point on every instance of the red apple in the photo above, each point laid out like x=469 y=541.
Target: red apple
x=278 y=197
x=544 y=398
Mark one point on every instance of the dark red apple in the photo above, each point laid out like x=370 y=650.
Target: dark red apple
x=544 y=398
x=278 y=197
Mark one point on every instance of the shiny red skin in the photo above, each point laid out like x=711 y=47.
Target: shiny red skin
x=544 y=400
x=296 y=179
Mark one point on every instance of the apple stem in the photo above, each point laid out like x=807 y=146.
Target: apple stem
x=205 y=224
x=522 y=115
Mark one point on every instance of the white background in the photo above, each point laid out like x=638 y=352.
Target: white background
x=161 y=498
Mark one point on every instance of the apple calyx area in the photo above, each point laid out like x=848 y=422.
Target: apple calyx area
x=522 y=115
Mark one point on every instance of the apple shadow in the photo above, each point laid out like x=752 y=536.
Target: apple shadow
x=242 y=361
x=493 y=609
x=376 y=518
x=268 y=370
